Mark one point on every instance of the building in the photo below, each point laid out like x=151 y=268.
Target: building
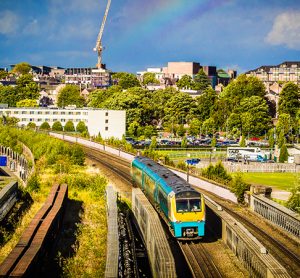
x=169 y=75
x=175 y=70
x=89 y=77
x=109 y=123
x=284 y=72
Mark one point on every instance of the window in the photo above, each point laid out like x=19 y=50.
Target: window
x=188 y=205
x=40 y=112
x=106 y=128
x=63 y=113
x=24 y=112
x=16 y=112
x=106 y=114
x=106 y=121
x=31 y=112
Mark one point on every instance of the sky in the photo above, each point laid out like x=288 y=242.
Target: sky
x=229 y=34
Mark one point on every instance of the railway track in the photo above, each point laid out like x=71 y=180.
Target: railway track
x=199 y=260
x=289 y=259
x=38 y=238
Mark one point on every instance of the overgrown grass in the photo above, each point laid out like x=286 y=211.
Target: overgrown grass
x=283 y=181
x=57 y=162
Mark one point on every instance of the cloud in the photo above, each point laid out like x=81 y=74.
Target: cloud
x=33 y=28
x=286 y=30
x=9 y=22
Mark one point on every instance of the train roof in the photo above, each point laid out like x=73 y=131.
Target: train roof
x=178 y=184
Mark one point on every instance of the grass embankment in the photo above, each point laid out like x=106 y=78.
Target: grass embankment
x=81 y=249
x=283 y=181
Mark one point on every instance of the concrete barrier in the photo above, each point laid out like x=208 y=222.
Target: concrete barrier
x=112 y=257
x=277 y=214
x=8 y=197
x=245 y=246
x=159 y=252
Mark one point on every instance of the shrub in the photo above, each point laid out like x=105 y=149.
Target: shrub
x=45 y=125
x=284 y=155
x=81 y=127
x=31 y=125
x=33 y=183
x=217 y=173
x=69 y=126
x=57 y=126
x=238 y=186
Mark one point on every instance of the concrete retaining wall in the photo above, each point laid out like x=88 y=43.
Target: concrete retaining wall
x=277 y=214
x=112 y=257
x=246 y=247
x=159 y=252
x=8 y=197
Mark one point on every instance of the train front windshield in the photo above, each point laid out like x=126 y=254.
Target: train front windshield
x=188 y=205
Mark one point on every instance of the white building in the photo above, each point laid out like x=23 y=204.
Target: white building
x=109 y=123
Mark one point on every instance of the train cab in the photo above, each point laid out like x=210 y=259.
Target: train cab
x=188 y=214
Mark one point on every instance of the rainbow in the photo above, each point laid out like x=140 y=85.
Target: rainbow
x=169 y=16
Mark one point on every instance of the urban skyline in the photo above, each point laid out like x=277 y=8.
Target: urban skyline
x=241 y=34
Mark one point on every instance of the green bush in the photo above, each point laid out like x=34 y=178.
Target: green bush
x=45 y=126
x=81 y=127
x=57 y=126
x=33 y=183
x=238 y=186
x=217 y=173
x=69 y=126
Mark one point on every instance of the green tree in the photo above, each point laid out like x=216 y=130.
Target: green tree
x=81 y=127
x=149 y=131
x=184 y=142
x=181 y=130
x=271 y=138
x=69 y=126
x=284 y=155
x=57 y=126
x=185 y=82
x=3 y=74
x=194 y=127
x=242 y=87
x=214 y=141
x=45 y=125
x=209 y=126
x=293 y=202
x=234 y=121
x=153 y=144
x=289 y=101
x=284 y=123
x=70 y=95
x=205 y=104
x=281 y=139
x=255 y=115
x=26 y=88
x=243 y=141
x=22 y=68
x=149 y=78
x=27 y=103
x=132 y=129
x=31 y=125
x=98 y=97
x=179 y=108
x=239 y=187
x=126 y=80
x=201 y=81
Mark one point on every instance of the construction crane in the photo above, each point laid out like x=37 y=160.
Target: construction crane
x=99 y=48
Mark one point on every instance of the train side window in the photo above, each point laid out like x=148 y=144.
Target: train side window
x=162 y=198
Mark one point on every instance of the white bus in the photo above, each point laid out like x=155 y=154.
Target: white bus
x=239 y=152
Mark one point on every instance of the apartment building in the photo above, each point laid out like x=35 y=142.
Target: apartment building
x=109 y=123
x=284 y=72
x=90 y=77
